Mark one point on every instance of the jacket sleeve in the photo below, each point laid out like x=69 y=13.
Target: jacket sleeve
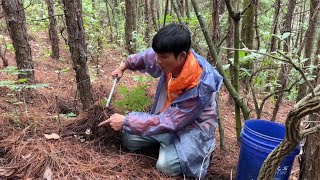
x=173 y=119
x=144 y=62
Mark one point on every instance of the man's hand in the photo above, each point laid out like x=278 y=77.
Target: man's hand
x=116 y=121
x=117 y=73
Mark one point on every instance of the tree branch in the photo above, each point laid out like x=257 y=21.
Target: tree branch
x=245 y=9
x=288 y=60
x=300 y=71
x=47 y=17
x=272 y=94
x=234 y=16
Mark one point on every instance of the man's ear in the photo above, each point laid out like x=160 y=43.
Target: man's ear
x=183 y=55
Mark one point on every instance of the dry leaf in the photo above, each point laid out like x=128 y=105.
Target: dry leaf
x=47 y=175
x=6 y=172
x=27 y=156
x=52 y=136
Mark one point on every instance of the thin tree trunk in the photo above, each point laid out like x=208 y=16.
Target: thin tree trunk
x=154 y=20
x=298 y=25
x=181 y=6
x=129 y=26
x=310 y=37
x=216 y=22
x=16 y=23
x=165 y=12
x=78 y=49
x=188 y=10
x=176 y=10
x=236 y=66
x=316 y=63
x=283 y=74
x=247 y=31
x=158 y=11
x=273 y=41
x=116 y=6
x=114 y=17
x=247 y=34
x=109 y=23
x=256 y=25
x=217 y=60
x=310 y=166
x=288 y=23
x=135 y=18
x=53 y=33
x=147 y=12
x=3 y=54
x=229 y=41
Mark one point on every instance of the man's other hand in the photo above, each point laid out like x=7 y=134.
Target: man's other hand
x=116 y=121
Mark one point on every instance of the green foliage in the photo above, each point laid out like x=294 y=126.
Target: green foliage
x=35 y=11
x=20 y=84
x=135 y=98
x=70 y=115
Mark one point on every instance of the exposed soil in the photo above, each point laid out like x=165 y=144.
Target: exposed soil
x=26 y=153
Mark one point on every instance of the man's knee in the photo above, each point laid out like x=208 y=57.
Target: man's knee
x=128 y=143
x=169 y=167
x=134 y=142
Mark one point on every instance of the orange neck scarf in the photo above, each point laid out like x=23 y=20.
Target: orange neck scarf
x=188 y=78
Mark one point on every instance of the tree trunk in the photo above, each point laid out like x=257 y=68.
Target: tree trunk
x=247 y=31
x=78 y=49
x=310 y=166
x=288 y=23
x=176 y=10
x=300 y=26
x=256 y=25
x=310 y=36
x=147 y=12
x=216 y=23
x=166 y=12
x=16 y=22
x=158 y=11
x=53 y=33
x=229 y=41
x=188 y=10
x=114 y=17
x=273 y=41
x=153 y=16
x=129 y=26
x=109 y=23
x=316 y=63
x=181 y=5
x=3 y=54
x=283 y=74
x=247 y=34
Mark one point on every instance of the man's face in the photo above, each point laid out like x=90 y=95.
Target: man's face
x=169 y=63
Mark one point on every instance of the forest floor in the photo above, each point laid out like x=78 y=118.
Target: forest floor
x=26 y=153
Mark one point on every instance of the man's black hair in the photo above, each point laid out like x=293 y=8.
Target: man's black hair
x=173 y=38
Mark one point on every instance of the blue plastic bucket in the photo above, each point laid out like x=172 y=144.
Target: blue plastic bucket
x=258 y=139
